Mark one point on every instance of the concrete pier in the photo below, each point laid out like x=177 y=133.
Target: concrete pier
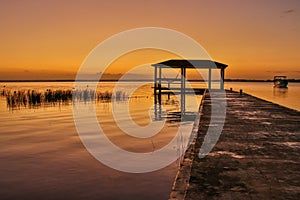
x=256 y=157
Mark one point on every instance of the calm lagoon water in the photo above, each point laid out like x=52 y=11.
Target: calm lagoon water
x=42 y=157
x=288 y=97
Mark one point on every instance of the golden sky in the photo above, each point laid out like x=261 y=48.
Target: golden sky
x=49 y=39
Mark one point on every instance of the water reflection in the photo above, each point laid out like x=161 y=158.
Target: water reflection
x=165 y=109
x=280 y=92
x=17 y=99
x=168 y=110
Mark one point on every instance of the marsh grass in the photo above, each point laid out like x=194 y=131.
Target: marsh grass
x=34 y=98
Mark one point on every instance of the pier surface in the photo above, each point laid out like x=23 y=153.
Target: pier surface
x=256 y=157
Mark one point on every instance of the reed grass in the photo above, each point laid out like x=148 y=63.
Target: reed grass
x=18 y=98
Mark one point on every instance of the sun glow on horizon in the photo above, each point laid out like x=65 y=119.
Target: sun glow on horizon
x=50 y=39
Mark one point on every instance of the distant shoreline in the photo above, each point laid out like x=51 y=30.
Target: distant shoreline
x=114 y=80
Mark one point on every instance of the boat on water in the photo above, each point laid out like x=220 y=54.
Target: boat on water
x=280 y=81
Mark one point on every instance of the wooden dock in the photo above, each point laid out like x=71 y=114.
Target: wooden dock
x=256 y=157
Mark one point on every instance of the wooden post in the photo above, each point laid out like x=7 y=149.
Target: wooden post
x=155 y=84
x=182 y=100
x=209 y=78
x=155 y=93
x=222 y=79
x=159 y=86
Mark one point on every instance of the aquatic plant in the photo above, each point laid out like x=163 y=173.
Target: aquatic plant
x=57 y=95
x=36 y=98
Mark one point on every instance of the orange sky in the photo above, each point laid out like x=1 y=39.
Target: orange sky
x=49 y=39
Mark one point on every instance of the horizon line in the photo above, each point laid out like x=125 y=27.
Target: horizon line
x=143 y=80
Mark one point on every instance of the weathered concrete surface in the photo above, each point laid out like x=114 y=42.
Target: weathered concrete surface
x=180 y=184
x=257 y=155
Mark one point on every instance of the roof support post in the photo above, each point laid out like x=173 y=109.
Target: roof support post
x=222 y=79
x=159 y=85
x=155 y=85
x=182 y=98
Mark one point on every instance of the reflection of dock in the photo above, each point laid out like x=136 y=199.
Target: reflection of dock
x=164 y=86
x=256 y=156
x=177 y=117
x=175 y=91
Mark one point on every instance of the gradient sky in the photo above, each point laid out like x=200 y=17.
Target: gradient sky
x=49 y=39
